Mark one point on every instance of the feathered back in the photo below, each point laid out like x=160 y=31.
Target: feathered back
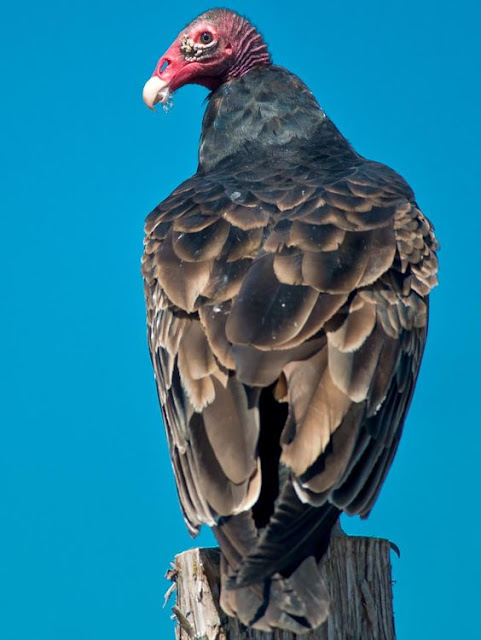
x=287 y=292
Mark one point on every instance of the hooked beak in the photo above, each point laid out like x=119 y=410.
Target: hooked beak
x=165 y=79
x=155 y=90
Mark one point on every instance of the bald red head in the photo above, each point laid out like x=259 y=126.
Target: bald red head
x=215 y=47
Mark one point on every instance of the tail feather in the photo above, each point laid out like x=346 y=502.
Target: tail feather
x=297 y=604
x=270 y=578
x=295 y=531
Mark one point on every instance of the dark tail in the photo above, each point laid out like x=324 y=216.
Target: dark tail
x=270 y=578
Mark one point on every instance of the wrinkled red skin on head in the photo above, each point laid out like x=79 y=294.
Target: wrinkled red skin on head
x=239 y=48
x=180 y=71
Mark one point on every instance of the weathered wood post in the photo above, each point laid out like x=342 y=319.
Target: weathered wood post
x=357 y=573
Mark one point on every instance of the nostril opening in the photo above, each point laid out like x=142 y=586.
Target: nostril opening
x=164 y=66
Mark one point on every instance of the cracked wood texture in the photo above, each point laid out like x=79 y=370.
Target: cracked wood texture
x=357 y=572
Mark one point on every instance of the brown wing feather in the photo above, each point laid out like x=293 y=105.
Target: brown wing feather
x=317 y=294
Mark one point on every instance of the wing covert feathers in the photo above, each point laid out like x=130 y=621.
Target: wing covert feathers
x=308 y=289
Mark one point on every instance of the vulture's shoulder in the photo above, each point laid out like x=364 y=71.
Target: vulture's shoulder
x=332 y=230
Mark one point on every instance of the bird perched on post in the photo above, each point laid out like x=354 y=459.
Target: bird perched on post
x=287 y=287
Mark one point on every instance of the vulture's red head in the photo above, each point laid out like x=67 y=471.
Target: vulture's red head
x=217 y=46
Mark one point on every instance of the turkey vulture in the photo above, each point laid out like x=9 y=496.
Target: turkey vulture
x=287 y=287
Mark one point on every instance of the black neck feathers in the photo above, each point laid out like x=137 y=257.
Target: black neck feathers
x=268 y=112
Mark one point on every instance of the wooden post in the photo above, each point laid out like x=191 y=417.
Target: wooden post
x=357 y=573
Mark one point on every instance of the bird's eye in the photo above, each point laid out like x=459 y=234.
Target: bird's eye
x=206 y=37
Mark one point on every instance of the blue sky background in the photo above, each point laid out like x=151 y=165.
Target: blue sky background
x=90 y=519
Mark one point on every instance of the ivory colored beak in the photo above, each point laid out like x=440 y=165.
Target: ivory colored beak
x=155 y=90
